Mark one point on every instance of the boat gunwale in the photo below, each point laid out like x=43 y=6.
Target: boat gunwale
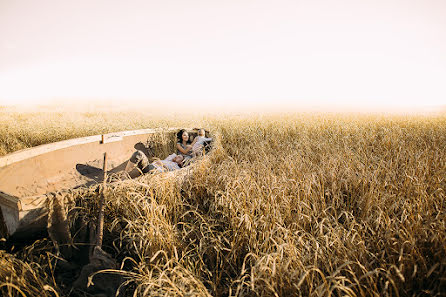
x=27 y=153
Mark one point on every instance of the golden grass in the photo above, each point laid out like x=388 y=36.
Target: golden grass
x=296 y=205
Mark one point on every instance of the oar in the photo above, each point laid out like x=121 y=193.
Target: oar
x=100 y=227
x=99 y=260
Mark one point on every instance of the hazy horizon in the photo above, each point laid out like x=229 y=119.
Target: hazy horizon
x=164 y=108
x=208 y=55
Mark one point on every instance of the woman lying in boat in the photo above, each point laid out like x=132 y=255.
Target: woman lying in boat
x=140 y=161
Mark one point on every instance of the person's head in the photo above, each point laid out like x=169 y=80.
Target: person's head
x=183 y=136
x=201 y=132
x=178 y=159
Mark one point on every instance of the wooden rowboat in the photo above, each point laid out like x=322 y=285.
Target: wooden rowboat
x=27 y=177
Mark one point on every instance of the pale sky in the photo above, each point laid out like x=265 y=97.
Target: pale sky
x=292 y=54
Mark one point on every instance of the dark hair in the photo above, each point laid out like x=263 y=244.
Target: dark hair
x=180 y=136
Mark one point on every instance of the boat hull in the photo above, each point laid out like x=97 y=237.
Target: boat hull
x=28 y=176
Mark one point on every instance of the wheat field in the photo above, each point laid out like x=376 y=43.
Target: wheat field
x=285 y=205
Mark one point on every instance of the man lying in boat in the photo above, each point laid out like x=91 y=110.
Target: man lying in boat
x=140 y=161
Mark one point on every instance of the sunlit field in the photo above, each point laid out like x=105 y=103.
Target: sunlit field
x=284 y=205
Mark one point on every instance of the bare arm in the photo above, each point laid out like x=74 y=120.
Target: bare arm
x=182 y=150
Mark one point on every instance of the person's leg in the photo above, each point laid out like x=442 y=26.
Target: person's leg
x=158 y=165
x=148 y=168
x=139 y=159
